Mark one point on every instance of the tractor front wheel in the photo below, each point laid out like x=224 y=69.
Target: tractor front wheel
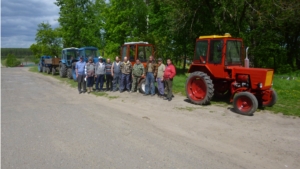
x=199 y=88
x=53 y=71
x=69 y=74
x=245 y=103
x=142 y=86
x=272 y=100
x=48 y=70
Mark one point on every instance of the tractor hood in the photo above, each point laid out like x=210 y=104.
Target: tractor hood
x=259 y=78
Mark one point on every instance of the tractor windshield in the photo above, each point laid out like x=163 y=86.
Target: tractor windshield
x=201 y=51
x=91 y=53
x=144 y=52
x=71 y=54
x=233 y=52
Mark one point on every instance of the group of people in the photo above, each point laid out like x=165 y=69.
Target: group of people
x=122 y=76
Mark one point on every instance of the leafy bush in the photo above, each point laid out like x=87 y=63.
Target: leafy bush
x=283 y=69
x=12 y=61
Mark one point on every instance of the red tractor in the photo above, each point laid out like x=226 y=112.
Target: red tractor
x=217 y=70
x=134 y=50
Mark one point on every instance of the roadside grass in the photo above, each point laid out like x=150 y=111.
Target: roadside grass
x=72 y=83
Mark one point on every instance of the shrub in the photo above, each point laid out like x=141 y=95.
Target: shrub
x=12 y=61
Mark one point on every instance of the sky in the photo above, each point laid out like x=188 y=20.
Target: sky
x=19 y=20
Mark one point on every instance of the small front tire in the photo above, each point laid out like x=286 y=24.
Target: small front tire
x=245 y=103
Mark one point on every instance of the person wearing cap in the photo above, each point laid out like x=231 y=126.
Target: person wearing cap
x=116 y=74
x=80 y=75
x=160 y=78
x=138 y=71
x=151 y=72
x=109 y=77
x=90 y=73
x=169 y=74
x=126 y=69
x=100 y=73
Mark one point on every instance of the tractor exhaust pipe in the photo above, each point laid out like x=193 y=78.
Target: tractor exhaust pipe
x=246 y=63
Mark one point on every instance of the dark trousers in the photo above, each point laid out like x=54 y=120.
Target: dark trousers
x=125 y=82
x=100 y=79
x=90 y=81
x=81 y=82
x=169 y=85
x=117 y=81
x=109 y=80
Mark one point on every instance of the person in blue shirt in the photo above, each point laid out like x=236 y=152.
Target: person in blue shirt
x=80 y=75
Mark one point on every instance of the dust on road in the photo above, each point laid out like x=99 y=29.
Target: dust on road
x=47 y=124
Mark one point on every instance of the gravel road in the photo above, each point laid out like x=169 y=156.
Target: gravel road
x=47 y=124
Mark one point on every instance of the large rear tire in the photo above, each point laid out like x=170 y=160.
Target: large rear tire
x=69 y=73
x=272 y=101
x=199 y=88
x=245 y=103
x=44 y=69
x=63 y=71
x=142 y=86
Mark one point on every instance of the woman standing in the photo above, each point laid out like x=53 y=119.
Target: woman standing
x=90 y=74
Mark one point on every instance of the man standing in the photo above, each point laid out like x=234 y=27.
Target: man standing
x=160 y=73
x=137 y=71
x=116 y=73
x=100 y=73
x=126 y=68
x=80 y=75
x=151 y=72
x=90 y=74
x=109 y=78
x=169 y=74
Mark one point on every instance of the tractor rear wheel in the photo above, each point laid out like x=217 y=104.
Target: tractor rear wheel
x=53 y=71
x=142 y=86
x=245 y=103
x=199 y=88
x=63 y=70
x=272 y=101
x=69 y=73
x=44 y=69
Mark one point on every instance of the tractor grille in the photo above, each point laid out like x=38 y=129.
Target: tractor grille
x=269 y=78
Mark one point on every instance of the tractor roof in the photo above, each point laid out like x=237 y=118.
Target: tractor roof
x=70 y=48
x=226 y=35
x=132 y=43
x=88 y=47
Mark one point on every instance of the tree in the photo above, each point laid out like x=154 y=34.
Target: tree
x=12 y=61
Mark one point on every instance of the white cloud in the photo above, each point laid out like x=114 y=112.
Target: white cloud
x=20 y=19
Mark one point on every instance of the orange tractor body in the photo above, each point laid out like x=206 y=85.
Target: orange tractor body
x=217 y=70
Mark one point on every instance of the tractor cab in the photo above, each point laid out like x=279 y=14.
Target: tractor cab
x=90 y=51
x=134 y=50
x=69 y=55
x=217 y=53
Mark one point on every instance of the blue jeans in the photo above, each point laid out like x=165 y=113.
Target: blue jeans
x=125 y=82
x=160 y=86
x=150 y=84
x=116 y=81
x=100 y=79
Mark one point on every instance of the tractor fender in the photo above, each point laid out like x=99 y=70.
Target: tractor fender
x=63 y=61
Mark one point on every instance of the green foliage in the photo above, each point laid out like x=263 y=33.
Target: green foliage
x=18 y=52
x=12 y=61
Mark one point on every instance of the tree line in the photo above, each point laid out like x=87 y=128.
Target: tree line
x=17 y=52
x=271 y=28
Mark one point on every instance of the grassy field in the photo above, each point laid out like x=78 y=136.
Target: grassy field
x=288 y=91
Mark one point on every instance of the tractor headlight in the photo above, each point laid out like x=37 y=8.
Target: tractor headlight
x=260 y=85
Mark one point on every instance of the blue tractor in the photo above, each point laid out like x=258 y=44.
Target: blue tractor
x=42 y=65
x=86 y=52
x=68 y=57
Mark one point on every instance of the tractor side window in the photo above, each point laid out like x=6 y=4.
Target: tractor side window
x=233 y=52
x=124 y=52
x=144 y=52
x=132 y=53
x=216 y=47
x=201 y=51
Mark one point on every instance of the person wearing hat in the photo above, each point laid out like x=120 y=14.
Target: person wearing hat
x=159 y=78
x=138 y=71
x=100 y=73
x=90 y=73
x=80 y=75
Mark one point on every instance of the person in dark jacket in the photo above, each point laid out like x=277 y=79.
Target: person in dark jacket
x=169 y=74
x=151 y=72
x=109 y=78
x=126 y=68
x=90 y=73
